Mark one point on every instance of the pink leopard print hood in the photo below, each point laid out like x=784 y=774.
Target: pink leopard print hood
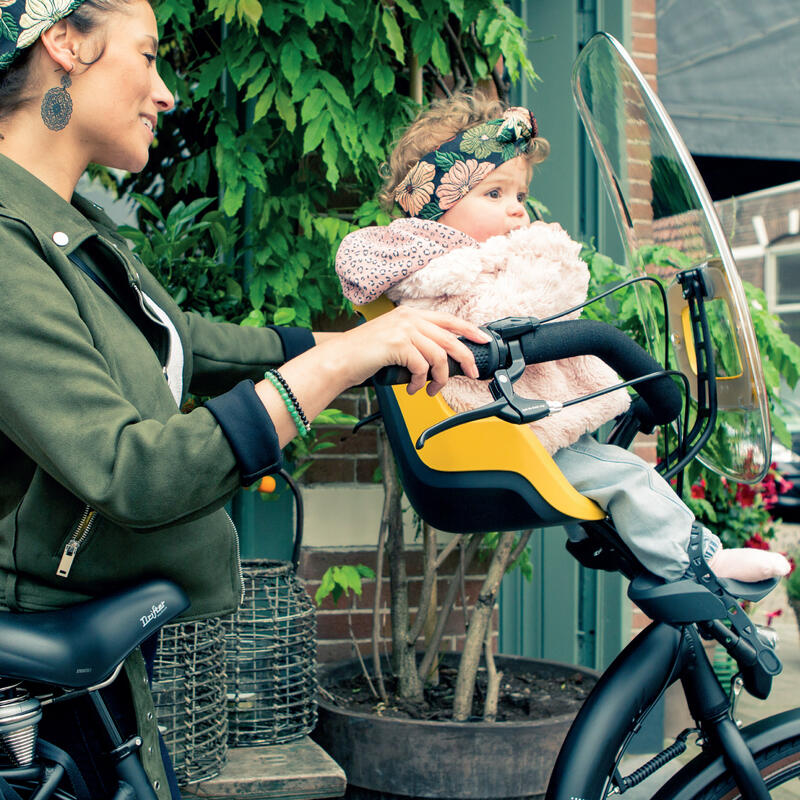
x=371 y=260
x=534 y=271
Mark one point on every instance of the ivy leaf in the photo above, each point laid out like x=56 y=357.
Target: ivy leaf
x=315 y=132
x=314 y=11
x=286 y=110
x=257 y=289
x=263 y=103
x=251 y=10
x=309 y=78
x=291 y=62
x=383 y=79
x=313 y=105
x=408 y=8
x=334 y=87
x=274 y=17
x=284 y=316
x=234 y=197
x=440 y=56
x=255 y=319
x=393 y=34
x=209 y=76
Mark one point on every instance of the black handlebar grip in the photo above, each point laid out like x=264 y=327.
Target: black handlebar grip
x=571 y=338
x=486 y=358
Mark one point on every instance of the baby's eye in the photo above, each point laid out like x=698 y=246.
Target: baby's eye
x=493 y=193
x=151 y=59
x=522 y=197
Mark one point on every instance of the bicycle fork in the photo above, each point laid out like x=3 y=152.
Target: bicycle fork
x=616 y=707
x=710 y=706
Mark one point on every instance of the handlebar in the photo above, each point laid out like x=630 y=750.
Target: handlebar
x=566 y=339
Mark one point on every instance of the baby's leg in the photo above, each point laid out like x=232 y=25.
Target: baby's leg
x=650 y=517
x=647 y=514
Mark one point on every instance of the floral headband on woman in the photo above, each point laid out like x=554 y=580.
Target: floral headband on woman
x=22 y=22
x=441 y=178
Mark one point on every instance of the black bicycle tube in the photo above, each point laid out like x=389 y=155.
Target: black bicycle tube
x=707 y=768
x=709 y=705
x=622 y=695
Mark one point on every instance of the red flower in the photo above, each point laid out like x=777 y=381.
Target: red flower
x=756 y=541
x=772 y=614
x=745 y=494
x=698 y=490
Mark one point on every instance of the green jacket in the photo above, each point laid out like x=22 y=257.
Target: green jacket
x=94 y=450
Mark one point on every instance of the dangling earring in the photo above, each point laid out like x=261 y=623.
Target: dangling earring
x=57 y=105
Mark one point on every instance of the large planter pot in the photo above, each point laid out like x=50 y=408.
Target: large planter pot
x=386 y=758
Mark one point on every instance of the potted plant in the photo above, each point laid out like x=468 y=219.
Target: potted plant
x=420 y=723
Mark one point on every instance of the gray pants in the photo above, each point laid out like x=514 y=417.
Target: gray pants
x=650 y=518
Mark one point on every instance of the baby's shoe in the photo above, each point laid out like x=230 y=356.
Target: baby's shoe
x=746 y=564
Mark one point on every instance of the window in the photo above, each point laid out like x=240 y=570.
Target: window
x=783 y=286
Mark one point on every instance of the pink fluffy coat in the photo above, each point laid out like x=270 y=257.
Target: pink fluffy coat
x=534 y=271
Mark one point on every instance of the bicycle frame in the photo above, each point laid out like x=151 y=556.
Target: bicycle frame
x=659 y=656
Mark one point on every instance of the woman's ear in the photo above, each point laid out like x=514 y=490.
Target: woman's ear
x=61 y=44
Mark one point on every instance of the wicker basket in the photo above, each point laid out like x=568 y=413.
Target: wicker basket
x=189 y=696
x=271 y=658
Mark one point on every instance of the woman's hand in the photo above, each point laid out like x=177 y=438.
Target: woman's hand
x=417 y=339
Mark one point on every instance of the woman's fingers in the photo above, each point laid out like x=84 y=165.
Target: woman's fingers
x=419 y=340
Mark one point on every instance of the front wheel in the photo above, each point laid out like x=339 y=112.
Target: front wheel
x=779 y=764
x=780 y=768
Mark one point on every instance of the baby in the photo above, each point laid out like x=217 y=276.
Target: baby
x=460 y=173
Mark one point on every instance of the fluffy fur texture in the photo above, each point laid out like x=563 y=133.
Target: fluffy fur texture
x=534 y=271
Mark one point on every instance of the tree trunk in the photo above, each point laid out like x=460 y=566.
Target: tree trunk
x=479 y=622
x=403 y=656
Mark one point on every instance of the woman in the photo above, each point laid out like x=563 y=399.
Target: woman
x=105 y=482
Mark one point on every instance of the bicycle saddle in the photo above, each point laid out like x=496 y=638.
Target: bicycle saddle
x=80 y=646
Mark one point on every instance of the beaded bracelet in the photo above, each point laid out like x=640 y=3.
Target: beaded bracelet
x=290 y=401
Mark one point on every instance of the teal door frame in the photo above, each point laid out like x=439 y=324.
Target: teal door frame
x=566 y=613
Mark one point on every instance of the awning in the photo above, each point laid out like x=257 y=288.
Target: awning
x=729 y=75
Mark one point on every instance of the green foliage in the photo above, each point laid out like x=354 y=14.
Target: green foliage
x=185 y=251
x=339 y=580
x=301 y=450
x=738 y=513
x=285 y=112
x=522 y=562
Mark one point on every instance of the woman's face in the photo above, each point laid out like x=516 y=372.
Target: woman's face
x=117 y=99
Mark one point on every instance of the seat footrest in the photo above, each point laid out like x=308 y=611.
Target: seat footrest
x=299 y=770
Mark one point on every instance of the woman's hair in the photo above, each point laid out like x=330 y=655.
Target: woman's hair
x=439 y=123
x=14 y=82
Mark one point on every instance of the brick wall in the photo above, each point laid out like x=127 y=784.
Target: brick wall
x=334 y=638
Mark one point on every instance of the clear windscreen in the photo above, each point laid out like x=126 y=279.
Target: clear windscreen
x=667 y=223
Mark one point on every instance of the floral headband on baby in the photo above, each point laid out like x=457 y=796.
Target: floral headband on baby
x=22 y=22
x=441 y=178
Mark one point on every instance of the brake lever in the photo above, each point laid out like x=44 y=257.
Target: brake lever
x=507 y=404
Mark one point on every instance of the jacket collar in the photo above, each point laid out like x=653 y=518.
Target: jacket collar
x=46 y=212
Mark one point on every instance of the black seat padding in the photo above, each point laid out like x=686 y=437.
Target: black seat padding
x=80 y=646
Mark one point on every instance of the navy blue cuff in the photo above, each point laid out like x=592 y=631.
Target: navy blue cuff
x=294 y=340
x=249 y=430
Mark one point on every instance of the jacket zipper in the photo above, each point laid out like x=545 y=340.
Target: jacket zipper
x=238 y=557
x=79 y=535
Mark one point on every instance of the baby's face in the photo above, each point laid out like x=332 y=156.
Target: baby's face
x=496 y=206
